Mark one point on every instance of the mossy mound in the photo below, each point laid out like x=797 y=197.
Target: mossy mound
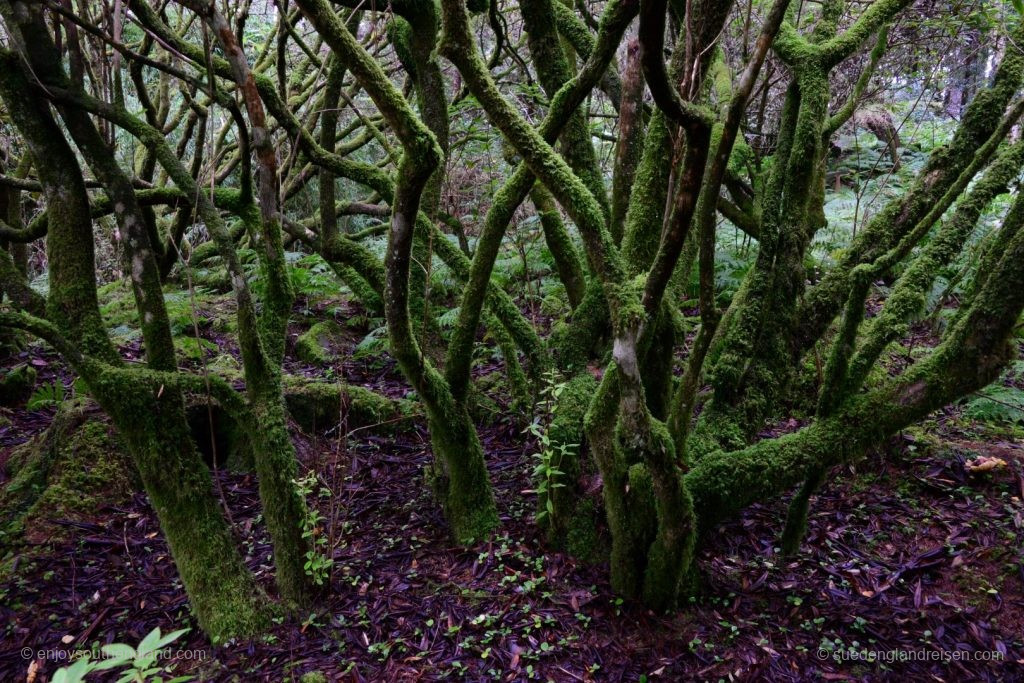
x=11 y=341
x=227 y=367
x=16 y=385
x=318 y=406
x=316 y=345
x=66 y=473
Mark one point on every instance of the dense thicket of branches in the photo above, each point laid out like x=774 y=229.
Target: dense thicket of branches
x=220 y=132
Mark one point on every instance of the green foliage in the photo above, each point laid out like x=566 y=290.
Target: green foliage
x=448 y=318
x=194 y=348
x=318 y=561
x=375 y=342
x=137 y=664
x=731 y=265
x=546 y=474
x=311 y=277
x=1000 y=402
x=46 y=395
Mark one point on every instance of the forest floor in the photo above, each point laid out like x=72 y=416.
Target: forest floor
x=912 y=559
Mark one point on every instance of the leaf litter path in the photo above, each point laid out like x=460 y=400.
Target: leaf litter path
x=907 y=556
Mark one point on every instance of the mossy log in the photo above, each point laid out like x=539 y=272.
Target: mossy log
x=320 y=406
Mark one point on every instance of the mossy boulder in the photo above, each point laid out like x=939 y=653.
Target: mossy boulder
x=213 y=279
x=66 y=473
x=318 y=406
x=316 y=345
x=554 y=305
x=16 y=385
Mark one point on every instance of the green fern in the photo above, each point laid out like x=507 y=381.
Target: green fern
x=997 y=404
x=373 y=343
x=46 y=395
x=1000 y=402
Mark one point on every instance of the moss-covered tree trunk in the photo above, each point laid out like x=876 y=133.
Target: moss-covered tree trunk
x=262 y=338
x=753 y=365
x=223 y=594
x=780 y=333
x=224 y=597
x=459 y=477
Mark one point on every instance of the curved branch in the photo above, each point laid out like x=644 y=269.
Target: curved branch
x=652 y=47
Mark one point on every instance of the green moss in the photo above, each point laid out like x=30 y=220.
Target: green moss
x=633 y=532
x=645 y=215
x=16 y=385
x=313 y=677
x=550 y=168
x=560 y=244
x=806 y=385
x=796 y=515
x=315 y=346
x=149 y=412
x=901 y=214
x=586 y=334
x=317 y=406
x=66 y=473
x=215 y=279
x=658 y=362
x=116 y=303
x=501 y=304
x=907 y=297
x=742 y=157
x=584 y=539
x=458 y=475
x=459 y=354
x=72 y=302
x=227 y=366
x=569 y=490
x=553 y=71
x=755 y=364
